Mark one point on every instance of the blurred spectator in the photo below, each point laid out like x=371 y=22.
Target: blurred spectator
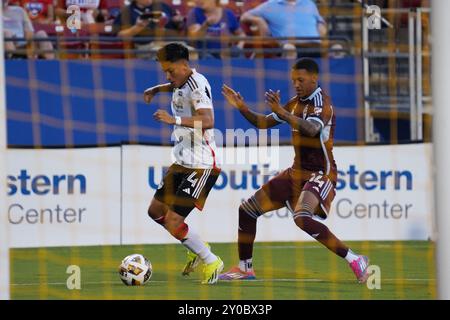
x=89 y=9
x=208 y=19
x=288 y=18
x=109 y=9
x=148 y=18
x=17 y=24
x=412 y=4
x=40 y=11
x=415 y=3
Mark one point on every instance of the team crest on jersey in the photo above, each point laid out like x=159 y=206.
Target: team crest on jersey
x=317 y=111
x=178 y=101
x=197 y=97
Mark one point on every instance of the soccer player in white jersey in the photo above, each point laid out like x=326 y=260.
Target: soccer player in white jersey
x=193 y=174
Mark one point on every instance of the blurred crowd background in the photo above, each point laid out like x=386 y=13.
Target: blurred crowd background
x=53 y=29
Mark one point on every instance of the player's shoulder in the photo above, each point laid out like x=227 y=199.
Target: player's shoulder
x=320 y=98
x=197 y=80
x=199 y=86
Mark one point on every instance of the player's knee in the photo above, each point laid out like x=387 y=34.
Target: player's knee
x=301 y=219
x=152 y=212
x=250 y=208
x=156 y=216
x=249 y=211
x=305 y=221
x=305 y=207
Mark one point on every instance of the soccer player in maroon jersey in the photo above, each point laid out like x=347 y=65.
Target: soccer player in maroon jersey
x=308 y=187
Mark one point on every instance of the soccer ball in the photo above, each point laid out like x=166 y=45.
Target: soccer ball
x=135 y=270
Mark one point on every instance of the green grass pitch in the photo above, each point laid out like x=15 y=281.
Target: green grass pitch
x=285 y=271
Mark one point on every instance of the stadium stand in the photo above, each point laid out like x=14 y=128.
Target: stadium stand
x=256 y=46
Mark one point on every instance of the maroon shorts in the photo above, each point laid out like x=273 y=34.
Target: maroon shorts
x=284 y=189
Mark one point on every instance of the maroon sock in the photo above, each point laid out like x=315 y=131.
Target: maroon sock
x=246 y=234
x=321 y=233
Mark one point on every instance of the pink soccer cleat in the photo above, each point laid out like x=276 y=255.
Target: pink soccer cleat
x=237 y=274
x=359 y=268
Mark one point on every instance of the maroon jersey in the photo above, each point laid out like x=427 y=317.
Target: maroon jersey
x=316 y=153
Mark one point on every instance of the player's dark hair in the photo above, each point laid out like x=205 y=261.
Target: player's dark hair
x=307 y=64
x=173 y=52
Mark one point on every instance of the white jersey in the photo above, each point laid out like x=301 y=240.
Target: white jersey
x=194 y=148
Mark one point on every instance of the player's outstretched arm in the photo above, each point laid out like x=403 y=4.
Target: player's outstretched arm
x=259 y=120
x=152 y=91
x=307 y=128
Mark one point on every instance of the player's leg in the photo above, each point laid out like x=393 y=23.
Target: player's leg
x=176 y=197
x=198 y=250
x=157 y=211
x=304 y=211
x=249 y=211
x=164 y=196
x=315 y=199
x=179 y=229
x=174 y=223
x=271 y=196
x=192 y=192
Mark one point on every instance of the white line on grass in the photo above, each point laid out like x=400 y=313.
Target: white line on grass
x=288 y=247
x=372 y=246
x=64 y=283
x=255 y=280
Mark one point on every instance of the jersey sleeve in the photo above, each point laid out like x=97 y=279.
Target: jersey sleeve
x=289 y=106
x=276 y=117
x=321 y=112
x=201 y=98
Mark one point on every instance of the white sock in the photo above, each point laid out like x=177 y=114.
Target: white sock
x=246 y=265
x=351 y=256
x=197 y=246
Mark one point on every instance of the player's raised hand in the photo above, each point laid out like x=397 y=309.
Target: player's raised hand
x=163 y=116
x=273 y=100
x=234 y=98
x=149 y=94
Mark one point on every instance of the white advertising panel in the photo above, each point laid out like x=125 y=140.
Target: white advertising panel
x=101 y=195
x=383 y=193
x=63 y=197
x=142 y=172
